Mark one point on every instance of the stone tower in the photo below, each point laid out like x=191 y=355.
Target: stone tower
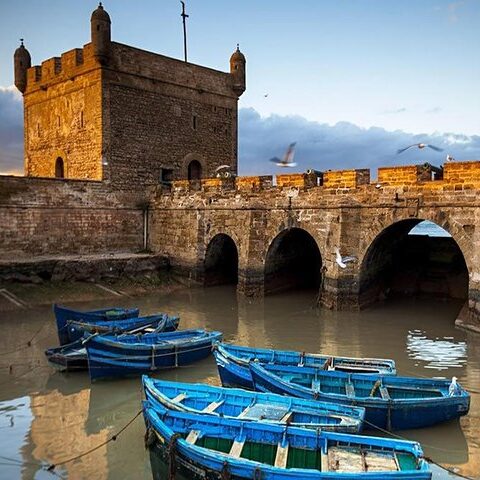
x=22 y=62
x=238 y=71
x=111 y=112
x=100 y=27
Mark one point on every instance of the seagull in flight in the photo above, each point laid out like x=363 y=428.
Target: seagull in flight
x=287 y=160
x=420 y=146
x=342 y=261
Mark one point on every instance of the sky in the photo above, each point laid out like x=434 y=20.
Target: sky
x=350 y=80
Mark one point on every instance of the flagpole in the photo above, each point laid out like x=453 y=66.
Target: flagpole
x=184 y=17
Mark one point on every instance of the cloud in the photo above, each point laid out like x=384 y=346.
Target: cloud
x=434 y=110
x=395 y=111
x=341 y=146
x=11 y=131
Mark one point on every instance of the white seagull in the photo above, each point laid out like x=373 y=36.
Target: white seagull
x=449 y=158
x=420 y=146
x=223 y=171
x=342 y=261
x=287 y=160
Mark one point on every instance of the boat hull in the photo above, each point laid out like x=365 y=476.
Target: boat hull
x=63 y=314
x=111 y=358
x=252 y=406
x=383 y=414
x=232 y=363
x=171 y=454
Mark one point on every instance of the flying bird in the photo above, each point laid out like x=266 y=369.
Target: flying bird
x=266 y=95
x=287 y=160
x=343 y=261
x=420 y=146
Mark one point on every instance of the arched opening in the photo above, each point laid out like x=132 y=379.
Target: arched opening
x=293 y=262
x=194 y=170
x=221 y=261
x=59 y=168
x=415 y=259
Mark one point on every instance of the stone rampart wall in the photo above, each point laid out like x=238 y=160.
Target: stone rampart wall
x=53 y=217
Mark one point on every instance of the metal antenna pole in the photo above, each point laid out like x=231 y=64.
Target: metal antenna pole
x=184 y=17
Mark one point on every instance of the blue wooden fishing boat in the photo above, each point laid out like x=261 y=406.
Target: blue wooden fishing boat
x=232 y=363
x=390 y=402
x=117 y=356
x=73 y=356
x=215 y=448
x=160 y=322
x=253 y=406
x=63 y=314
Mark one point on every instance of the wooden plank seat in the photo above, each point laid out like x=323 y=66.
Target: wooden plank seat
x=384 y=393
x=212 y=406
x=356 y=460
x=179 y=398
x=350 y=390
x=192 y=436
x=237 y=448
x=281 y=456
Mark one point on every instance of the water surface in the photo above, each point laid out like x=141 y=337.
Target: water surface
x=47 y=416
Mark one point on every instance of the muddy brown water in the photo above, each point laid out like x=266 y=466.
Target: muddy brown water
x=47 y=417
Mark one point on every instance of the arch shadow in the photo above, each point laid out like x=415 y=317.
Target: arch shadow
x=398 y=264
x=221 y=261
x=293 y=262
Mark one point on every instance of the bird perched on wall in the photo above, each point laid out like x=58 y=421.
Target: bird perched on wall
x=449 y=158
x=420 y=146
x=287 y=160
x=223 y=171
x=343 y=261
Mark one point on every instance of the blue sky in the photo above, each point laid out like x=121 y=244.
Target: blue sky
x=406 y=65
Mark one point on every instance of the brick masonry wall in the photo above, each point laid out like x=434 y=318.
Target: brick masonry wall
x=51 y=217
x=63 y=117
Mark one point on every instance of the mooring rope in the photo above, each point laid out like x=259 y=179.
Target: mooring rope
x=428 y=459
x=53 y=466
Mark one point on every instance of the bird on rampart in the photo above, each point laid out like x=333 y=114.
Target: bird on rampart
x=449 y=158
x=287 y=160
x=420 y=146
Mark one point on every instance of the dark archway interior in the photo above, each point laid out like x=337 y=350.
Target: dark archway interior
x=399 y=264
x=194 y=170
x=59 y=168
x=221 y=261
x=293 y=262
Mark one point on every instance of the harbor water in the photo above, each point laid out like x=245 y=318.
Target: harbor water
x=47 y=417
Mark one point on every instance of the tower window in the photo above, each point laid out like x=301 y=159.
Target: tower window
x=59 y=168
x=166 y=175
x=81 y=119
x=194 y=122
x=38 y=129
x=58 y=120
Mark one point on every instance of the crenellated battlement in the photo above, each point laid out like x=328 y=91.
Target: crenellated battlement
x=452 y=176
x=58 y=69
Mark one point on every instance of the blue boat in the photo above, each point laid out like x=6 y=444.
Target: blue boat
x=63 y=314
x=252 y=406
x=391 y=402
x=160 y=322
x=204 y=447
x=73 y=356
x=112 y=356
x=232 y=363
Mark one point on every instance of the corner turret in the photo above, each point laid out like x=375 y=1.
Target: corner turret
x=101 y=34
x=22 y=62
x=237 y=71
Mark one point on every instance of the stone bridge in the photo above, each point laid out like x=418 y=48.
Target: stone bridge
x=268 y=235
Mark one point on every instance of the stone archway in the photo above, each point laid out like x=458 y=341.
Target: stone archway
x=399 y=264
x=221 y=261
x=194 y=170
x=293 y=261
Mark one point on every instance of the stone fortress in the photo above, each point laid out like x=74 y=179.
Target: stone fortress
x=121 y=147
